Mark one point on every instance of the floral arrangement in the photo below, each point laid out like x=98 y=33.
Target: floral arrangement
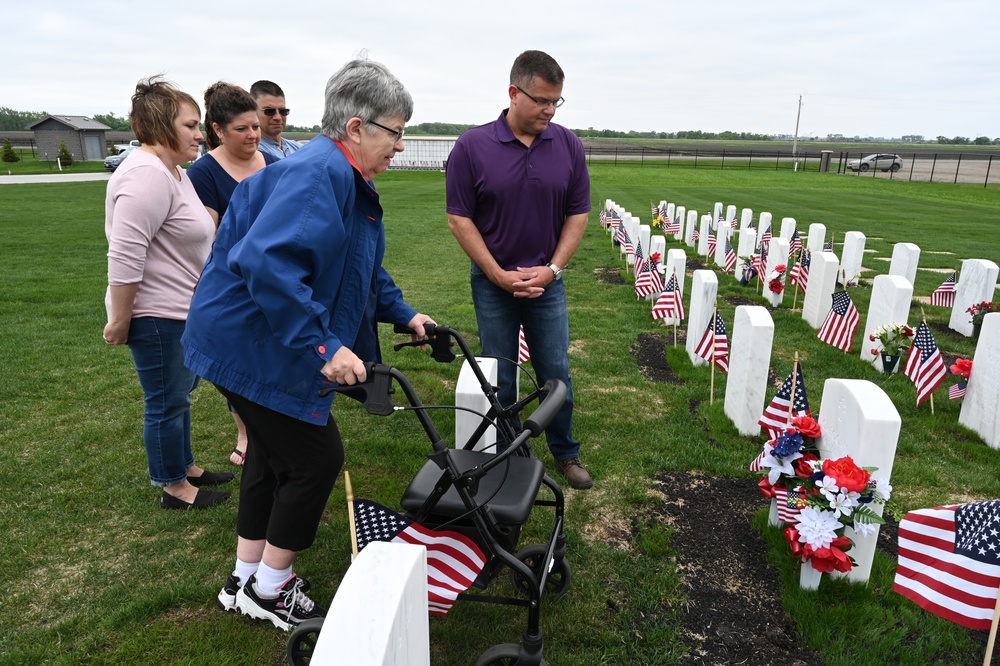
x=658 y=221
x=829 y=495
x=656 y=258
x=894 y=338
x=961 y=367
x=776 y=279
x=981 y=310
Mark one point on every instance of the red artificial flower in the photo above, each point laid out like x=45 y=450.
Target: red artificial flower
x=792 y=537
x=874 y=351
x=776 y=286
x=655 y=257
x=847 y=474
x=830 y=559
x=961 y=366
x=780 y=268
x=871 y=337
x=766 y=489
x=802 y=466
x=807 y=426
x=908 y=332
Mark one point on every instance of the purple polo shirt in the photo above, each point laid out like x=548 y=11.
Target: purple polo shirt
x=518 y=197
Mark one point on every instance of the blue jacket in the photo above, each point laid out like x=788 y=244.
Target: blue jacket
x=295 y=274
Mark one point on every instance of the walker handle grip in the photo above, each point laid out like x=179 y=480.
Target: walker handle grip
x=555 y=397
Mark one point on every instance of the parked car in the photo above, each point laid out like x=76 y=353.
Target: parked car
x=122 y=147
x=883 y=161
x=114 y=161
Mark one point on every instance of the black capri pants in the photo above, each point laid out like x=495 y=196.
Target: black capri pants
x=289 y=473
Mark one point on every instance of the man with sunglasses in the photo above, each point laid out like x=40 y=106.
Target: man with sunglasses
x=518 y=196
x=273 y=115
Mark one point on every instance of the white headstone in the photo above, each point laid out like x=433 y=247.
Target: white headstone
x=852 y=256
x=379 y=614
x=777 y=256
x=747 y=243
x=632 y=225
x=704 y=289
x=976 y=283
x=819 y=293
x=858 y=419
x=716 y=214
x=890 y=304
x=905 y=257
x=689 y=226
x=724 y=231
x=787 y=227
x=981 y=404
x=731 y=215
x=817 y=237
x=763 y=224
x=645 y=233
x=626 y=221
x=676 y=262
x=657 y=243
x=706 y=226
x=469 y=395
x=669 y=209
x=749 y=360
x=746 y=217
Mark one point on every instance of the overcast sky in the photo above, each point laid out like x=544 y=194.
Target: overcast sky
x=886 y=68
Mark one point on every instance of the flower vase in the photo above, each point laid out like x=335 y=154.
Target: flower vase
x=809 y=577
x=889 y=362
x=975 y=331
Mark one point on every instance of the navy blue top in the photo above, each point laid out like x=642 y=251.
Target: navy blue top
x=213 y=185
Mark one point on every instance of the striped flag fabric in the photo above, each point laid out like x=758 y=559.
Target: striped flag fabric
x=924 y=364
x=945 y=294
x=614 y=219
x=669 y=304
x=730 y=256
x=840 y=323
x=624 y=240
x=523 y=354
x=775 y=418
x=949 y=561
x=788 y=502
x=760 y=262
x=800 y=271
x=795 y=243
x=765 y=236
x=957 y=391
x=654 y=209
x=695 y=234
x=647 y=280
x=711 y=242
x=453 y=560
x=714 y=346
x=604 y=218
x=829 y=245
x=673 y=226
x=637 y=265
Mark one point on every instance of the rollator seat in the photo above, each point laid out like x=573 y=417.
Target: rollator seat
x=518 y=479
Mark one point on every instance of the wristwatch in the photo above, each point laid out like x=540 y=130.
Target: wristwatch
x=556 y=271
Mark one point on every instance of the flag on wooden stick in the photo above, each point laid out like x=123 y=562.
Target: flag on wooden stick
x=840 y=323
x=924 y=364
x=714 y=346
x=945 y=294
x=669 y=303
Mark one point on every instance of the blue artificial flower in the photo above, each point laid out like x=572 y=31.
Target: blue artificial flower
x=788 y=444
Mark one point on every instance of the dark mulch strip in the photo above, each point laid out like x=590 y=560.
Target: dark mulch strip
x=732 y=612
x=609 y=276
x=742 y=300
x=649 y=352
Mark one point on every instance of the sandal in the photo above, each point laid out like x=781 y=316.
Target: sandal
x=238 y=457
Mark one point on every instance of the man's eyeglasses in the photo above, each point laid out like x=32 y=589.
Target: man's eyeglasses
x=556 y=103
x=397 y=135
x=269 y=112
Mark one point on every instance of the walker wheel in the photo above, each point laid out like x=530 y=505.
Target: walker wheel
x=558 y=580
x=504 y=654
x=302 y=642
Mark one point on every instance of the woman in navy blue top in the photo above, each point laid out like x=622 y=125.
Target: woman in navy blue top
x=232 y=130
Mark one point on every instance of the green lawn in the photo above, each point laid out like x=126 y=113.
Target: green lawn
x=96 y=573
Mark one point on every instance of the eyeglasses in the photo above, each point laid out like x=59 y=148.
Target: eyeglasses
x=397 y=135
x=556 y=103
x=269 y=112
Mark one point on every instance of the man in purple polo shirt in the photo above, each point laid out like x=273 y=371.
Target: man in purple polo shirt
x=518 y=198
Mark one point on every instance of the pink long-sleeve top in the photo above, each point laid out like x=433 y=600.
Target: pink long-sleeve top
x=159 y=235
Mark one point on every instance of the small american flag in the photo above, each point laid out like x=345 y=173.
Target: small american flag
x=800 y=271
x=604 y=218
x=945 y=294
x=669 y=303
x=841 y=322
x=523 y=354
x=829 y=246
x=776 y=418
x=624 y=240
x=673 y=226
x=695 y=235
x=453 y=560
x=957 y=391
x=637 y=266
x=924 y=364
x=730 y=256
x=760 y=262
x=711 y=242
x=790 y=504
x=949 y=561
x=714 y=346
x=765 y=236
x=654 y=209
x=648 y=280
x=795 y=243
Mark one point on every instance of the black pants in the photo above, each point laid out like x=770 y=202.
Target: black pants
x=288 y=475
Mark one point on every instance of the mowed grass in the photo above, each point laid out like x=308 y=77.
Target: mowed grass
x=96 y=573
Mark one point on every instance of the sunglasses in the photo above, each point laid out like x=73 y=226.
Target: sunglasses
x=269 y=112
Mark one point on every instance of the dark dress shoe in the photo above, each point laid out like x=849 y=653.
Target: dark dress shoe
x=210 y=479
x=203 y=500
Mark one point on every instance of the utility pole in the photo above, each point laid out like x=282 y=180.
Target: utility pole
x=795 y=140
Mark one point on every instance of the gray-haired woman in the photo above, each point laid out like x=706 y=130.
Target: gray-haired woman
x=287 y=304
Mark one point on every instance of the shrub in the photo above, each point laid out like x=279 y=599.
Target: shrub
x=8 y=153
x=65 y=157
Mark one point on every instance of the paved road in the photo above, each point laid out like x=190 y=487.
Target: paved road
x=53 y=178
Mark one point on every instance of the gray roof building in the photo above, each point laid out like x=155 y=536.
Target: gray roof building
x=82 y=135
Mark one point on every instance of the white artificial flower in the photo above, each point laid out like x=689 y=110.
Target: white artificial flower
x=865 y=529
x=882 y=489
x=777 y=466
x=817 y=528
x=828 y=486
x=842 y=504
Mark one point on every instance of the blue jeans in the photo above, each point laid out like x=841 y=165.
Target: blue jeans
x=546 y=330
x=166 y=383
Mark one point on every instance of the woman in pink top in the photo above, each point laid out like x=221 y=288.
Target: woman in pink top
x=159 y=236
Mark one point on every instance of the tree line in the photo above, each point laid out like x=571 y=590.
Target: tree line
x=12 y=120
